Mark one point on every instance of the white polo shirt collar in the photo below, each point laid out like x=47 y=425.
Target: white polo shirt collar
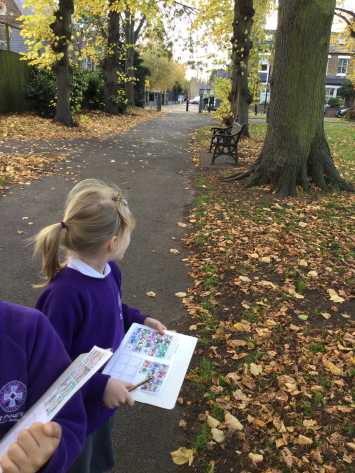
x=87 y=270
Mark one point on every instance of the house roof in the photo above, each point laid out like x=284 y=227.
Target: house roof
x=334 y=80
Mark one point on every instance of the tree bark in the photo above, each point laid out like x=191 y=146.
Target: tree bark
x=113 y=67
x=241 y=46
x=62 y=27
x=295 y=151
x=129 y=27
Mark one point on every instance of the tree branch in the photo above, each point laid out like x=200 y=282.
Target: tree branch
x=139 y=28
x=348 y=12
x=186 y=7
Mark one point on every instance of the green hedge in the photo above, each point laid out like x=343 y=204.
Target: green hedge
x=14 y=75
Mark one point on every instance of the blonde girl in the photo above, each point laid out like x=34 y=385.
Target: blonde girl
x=82 y=299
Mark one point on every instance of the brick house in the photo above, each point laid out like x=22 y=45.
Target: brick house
x=341 y=65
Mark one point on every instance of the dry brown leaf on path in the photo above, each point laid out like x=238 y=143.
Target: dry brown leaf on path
x=334 y=296
x=218 y=435
x=151 y=294
x=212 y=422
x=256 y=458
x=330 y=366
x=183 y=455
x=232 y=423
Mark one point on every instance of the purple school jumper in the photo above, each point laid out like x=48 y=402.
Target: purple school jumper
x=31 y=358
x=87 y=311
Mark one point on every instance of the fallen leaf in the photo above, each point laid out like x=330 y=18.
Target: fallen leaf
x=330 y=366
x=303 y=440
x=334 y=296
x=182 y=455
x=180 y=295
x=182 y=224
x=212 y=422
x=255 y=369
x=244 y=278
x=242 y=326
x=174 y=251
x=232 y=423
x=218 y=435
x=151 y=294
x=255 y=458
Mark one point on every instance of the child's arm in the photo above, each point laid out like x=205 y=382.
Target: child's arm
x=48 y=361
x=32 y=450
x=155 y=324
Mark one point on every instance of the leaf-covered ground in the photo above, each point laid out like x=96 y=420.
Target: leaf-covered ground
x=90 y=124
x=23 y=165
x=271 y=388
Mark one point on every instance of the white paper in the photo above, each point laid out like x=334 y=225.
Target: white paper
x=144 y=353
x=52 y=401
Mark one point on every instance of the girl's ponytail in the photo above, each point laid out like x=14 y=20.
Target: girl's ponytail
x=47 y=245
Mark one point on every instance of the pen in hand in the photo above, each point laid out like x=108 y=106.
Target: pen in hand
x=132 y=388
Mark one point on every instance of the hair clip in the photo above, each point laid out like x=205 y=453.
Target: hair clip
x=120 y=199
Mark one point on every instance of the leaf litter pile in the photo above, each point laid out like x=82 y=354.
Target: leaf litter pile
x=271 y=387
x=89 y=124
x=21 y=168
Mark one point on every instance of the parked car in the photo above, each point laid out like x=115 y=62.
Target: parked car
x=195 y=100
x=341 y=112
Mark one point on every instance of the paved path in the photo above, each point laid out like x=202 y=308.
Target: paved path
x=152 y=165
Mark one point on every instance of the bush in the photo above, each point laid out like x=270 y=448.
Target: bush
x=40 y=92
x=80 y=85
x=94 y=93
x=334 y=102
x=223 y=88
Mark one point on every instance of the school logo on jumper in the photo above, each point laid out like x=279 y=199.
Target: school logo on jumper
x=13 y=396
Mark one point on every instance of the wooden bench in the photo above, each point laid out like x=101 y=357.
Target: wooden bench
x=224 y=141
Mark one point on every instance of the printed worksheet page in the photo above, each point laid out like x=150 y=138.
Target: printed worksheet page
x=48 y=406
x=144 y=354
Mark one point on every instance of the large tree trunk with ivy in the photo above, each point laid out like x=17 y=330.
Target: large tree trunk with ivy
x=241 y=46
x=132 y=34
x=295 y=151
x=62 y=27
x=114 y=90
x=129 y=27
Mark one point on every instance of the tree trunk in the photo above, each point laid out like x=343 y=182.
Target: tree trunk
x=296 y=151
x=241 y=46
x=114 y=91
x=130 y=73
x=62 y=30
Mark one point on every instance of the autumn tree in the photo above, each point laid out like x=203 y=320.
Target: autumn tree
x=236 y=26
x=296 y=152
x=47 y=32
x=241 y=45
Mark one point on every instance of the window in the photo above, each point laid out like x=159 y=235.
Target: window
x=330 y=92
x=342 y=66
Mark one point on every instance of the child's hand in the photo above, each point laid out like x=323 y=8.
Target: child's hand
x=116 y=394
x=32 y=449
x=155 y=324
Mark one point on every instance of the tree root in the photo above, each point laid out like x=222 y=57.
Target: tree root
x=319 y=170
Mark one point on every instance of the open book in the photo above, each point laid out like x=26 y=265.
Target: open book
x=144 y=354
x=52 y=401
